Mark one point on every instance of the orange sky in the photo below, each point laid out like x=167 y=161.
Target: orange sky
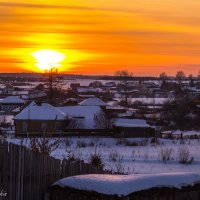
x=145 y=37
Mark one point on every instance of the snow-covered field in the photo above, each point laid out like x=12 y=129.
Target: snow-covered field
x=131 y=155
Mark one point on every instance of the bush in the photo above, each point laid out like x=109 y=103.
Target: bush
x=72 y=158
x=136 y=143
x=81 y=144
x=184 y=156
x=68 y=142
x=96 y=159
x=121 y=141
x=114 y=156
x=119 y=166
x=165 y=154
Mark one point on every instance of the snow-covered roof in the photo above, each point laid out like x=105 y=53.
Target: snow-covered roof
x=184 y=133
x=85 y=112
x=16 y=110
x=12 y=99
x=44 y=111
x=156 y=101
x=88 y=89
x=126 y=184
x=110 y=84
x=131 y=123
x=92 y=102
x=36 y=94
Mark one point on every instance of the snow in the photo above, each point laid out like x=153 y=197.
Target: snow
x=151 y=101
x=123 y=185
x=92 y=102
x=16 y=110
x=40 y=112
x=130 y=159
x=131 y=123
x=12 y=99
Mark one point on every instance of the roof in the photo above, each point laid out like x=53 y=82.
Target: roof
x=88 y=89
x=184 y=133
x=12 y=99
x=92 y=102
x=44 y=111
x=131 y=123
x=87 y=114
x=126 y=184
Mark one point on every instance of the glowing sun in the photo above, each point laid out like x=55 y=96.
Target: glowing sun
x=47 y=59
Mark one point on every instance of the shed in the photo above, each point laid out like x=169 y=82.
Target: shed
x=133 y=128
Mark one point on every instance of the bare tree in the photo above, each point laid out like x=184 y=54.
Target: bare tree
x=123 y=87
x=163 y=76
x=102 y=121
x=75 y=123
x=44 y=145
x=180 y=75
x=123 y=74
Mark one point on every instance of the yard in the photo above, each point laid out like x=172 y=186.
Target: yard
x=130 y=156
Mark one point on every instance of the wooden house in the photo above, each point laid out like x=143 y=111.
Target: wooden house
x=8 y=104
x=133 y=128
x=39 y=119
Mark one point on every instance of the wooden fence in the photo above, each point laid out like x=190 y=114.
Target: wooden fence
x=25 y=175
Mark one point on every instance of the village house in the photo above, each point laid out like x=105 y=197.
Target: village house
x=45 y=118
x=39 y=119
x=133 y=128
x=10 y=103
x=88 y=91
x=93 y=102
x=7 y=89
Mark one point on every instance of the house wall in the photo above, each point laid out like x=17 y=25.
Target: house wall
x=38 y=127
x=135 y=132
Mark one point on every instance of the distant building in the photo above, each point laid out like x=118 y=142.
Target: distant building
x=110 y=84
x=133 y=128
x=74 y=85
x=8 y=104
x=8 y=89
x=89 y=90
x=93 y=102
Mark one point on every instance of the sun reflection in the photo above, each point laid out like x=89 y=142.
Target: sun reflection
x=46 y=59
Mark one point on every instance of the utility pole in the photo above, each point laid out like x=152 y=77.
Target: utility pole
x=51 y=72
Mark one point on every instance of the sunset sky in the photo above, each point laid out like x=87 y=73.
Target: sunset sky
x=145 y=37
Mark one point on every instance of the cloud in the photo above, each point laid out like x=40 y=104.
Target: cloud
x=51 y=6
x=28 y=5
